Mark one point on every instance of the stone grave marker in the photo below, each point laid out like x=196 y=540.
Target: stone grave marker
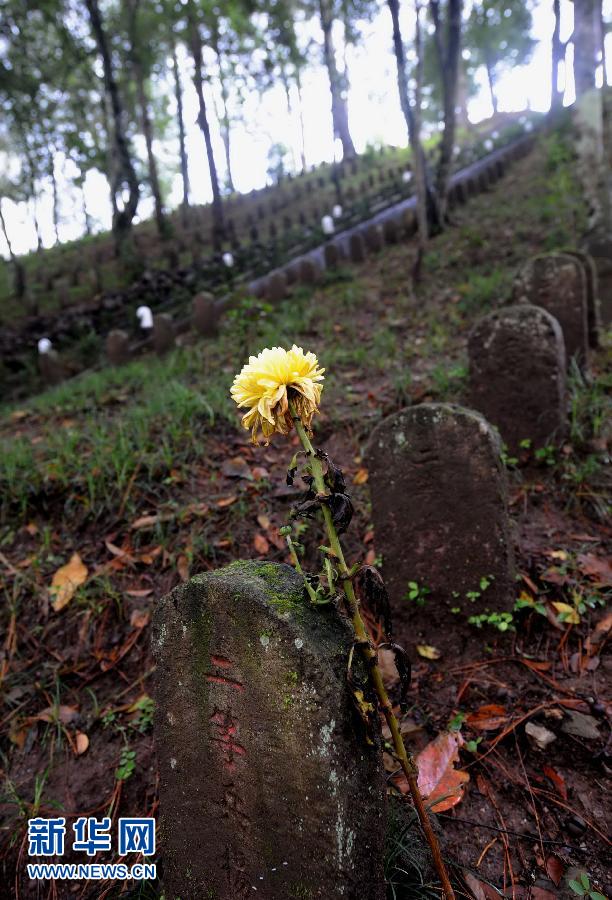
x=331 y=254
x=357 y=250
x=600 y=248
x=390 y=231
x=164 y=335
x=117 y=347
x=557 y=283
x=276 y=287
x=439 y=507
x=205 y=315
x=268 y=787
x=308 y=271
x=373 y=238
x=517 y=374
x=409 y=222
x=50 y=364
x=592 y=295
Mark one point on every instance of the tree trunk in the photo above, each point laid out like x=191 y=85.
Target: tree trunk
x=145 y=118
x=55 y=206
x=558 y=54
x=31 y=177
x=586 y=44
x=178 y=93
x=339 y=104
x=86 y=215
x=426 y=201
x=198 y=81
x=491 y=83
x=449 y=67
x=298 y=81
x=290 y=111
x=122 y=220
x=601 y=25
x=18 y=270
x=111 y=163
x=462 y=100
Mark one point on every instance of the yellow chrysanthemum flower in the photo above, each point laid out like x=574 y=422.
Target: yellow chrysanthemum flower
x=269 y=381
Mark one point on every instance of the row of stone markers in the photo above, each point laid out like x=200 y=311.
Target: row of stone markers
x=160 y=331
x=438 y=484
x=263 y=762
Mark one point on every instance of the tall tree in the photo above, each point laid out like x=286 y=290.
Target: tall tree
x=180 y=118
x=126 y=174
x=587 y=44
x=337 y=83
x=194 y=39
x=412 y=114
x=557 y=57
x=9 y=192
x=448 y=46
x=141 y=29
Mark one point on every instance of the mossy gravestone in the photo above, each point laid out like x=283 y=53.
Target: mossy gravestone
x=268 y=787
x=557 y=283
x=164 y=335
x=439 y=507
x=205 y=314
x=117 y=347
x=600 y=248
x=517 y=374
x=357 y=250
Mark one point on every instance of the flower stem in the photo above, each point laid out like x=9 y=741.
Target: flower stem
x=407 y=762
x=296 y=562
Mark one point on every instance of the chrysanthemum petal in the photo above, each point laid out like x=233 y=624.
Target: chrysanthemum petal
x=269 y=380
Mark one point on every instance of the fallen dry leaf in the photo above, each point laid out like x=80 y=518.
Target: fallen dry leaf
x=554 y=576
x=150 y=521
x=386 y=664
x=263 y=521
x=226 y=501
x=600 y=570
x=438 y=777
x=236 y=468
x=150 y=555
x=182 y=566
x=360 y=476
x=568 y=614
x=82 y=742
x=66 y=581
x=487 y=718
x=556 y=779
x=428 y=652
x=555 y=869
x=261 y=544
x=63 y=714
x=140 y=618
x=600 y=632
